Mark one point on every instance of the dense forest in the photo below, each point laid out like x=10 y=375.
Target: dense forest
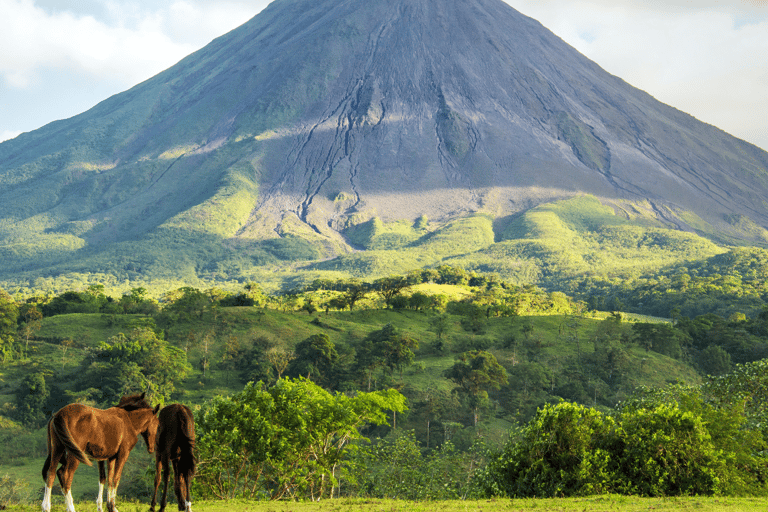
x=438 y=383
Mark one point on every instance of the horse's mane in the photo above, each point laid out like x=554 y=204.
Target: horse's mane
x=134 y=402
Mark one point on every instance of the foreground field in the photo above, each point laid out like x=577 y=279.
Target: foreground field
x=591 y=504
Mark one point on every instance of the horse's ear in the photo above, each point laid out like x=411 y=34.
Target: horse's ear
x=157 y=408
x=142 y=395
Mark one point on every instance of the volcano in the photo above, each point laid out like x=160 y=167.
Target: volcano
x=318 y=115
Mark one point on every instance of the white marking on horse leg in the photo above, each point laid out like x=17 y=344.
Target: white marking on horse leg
x=189 y=506
x=69 y=501
x=111 y=497
x=99 y=498
x=47 y=499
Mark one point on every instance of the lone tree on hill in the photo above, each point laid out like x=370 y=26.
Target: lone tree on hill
x=475 y=372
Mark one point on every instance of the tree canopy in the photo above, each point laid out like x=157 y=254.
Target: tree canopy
x=284 y=441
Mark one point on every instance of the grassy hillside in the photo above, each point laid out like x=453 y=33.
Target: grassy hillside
x=554 y=345
x=556 y=245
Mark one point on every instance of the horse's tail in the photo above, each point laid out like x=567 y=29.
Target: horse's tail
x=187 y=425
x=62 y=432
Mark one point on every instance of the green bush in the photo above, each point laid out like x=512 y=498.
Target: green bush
x=282 y=442
x=666 y=451
x=663 y=442
x=396 y=468
x=563 y=451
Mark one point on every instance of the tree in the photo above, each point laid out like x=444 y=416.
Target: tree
x=280 y=360
x=397 y=348
x=9 y=314
x=339 y=302
x=714 y=360
x=309 y=306
x=138 y=361
x=31 y=322
x=356 y=291
x=31 y=397
x=451 y=275
x=476 y=372
x=316 y=359
x=420 y=301
x=669 y=441
x=253 y=363
x=661 y=338
x=666 y=451
x=285 y=441
x=255 y=293
x=137 y=302
x=390 y=287
x=748 y=384
x=186 y=302
x=531 y=377
x=232 y=351
x=386 y=347
x=439 y=324
x=370 y=356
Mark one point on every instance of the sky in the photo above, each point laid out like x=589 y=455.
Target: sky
x=708 y=58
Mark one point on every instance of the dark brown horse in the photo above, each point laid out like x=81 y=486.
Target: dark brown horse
x=78 y=431
x=175 y=443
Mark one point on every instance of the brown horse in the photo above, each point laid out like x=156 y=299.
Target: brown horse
x=78 y=431
x=175 y=443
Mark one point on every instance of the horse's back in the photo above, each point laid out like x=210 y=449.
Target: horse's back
x=100 y=432
x=176 y=435
x=176 y=423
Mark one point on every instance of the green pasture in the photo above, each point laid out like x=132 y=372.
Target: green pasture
x=609 y=503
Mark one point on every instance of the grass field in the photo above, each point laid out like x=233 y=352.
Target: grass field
x=608 y=503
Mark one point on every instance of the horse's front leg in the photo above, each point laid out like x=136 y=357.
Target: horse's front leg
x=158 y=466
x=102 y=481
x=114 y=471
x=111 y=487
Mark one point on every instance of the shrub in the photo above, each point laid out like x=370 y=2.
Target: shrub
x=666 y=451
x=563 y=451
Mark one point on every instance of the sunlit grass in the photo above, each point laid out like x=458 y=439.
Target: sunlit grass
x=609 y=503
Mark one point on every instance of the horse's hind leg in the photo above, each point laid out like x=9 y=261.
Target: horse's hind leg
x=186 y=475
x=102 y=481
x=179 y=486
x=66 y=473
x=55 y=452
x=166 y=477
x=49 y=473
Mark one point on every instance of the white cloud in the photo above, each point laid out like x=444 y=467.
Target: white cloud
x=704 y=58
x=128 y=44
x=8 y=135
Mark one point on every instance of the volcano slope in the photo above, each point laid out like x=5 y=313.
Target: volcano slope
x=318 y=115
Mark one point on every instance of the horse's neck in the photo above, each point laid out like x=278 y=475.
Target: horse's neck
x=140 y=418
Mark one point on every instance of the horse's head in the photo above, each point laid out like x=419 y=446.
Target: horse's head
x=150 y=432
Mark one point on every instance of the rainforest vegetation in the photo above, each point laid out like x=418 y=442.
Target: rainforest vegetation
x=434 y=384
